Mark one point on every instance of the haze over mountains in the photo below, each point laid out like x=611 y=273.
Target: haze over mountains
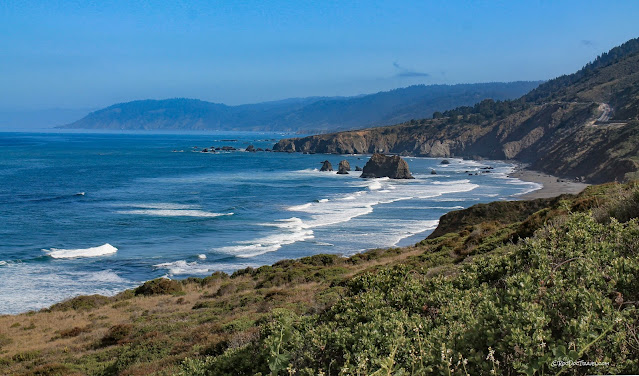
x=312 y=114
x=584 y=125
x=21 y=120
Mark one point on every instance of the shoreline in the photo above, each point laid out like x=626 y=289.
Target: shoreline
x=552 y=186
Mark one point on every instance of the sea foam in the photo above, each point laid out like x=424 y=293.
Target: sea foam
x=290 y=231
x=184 y=267
x=102 y=250
x=174 y=213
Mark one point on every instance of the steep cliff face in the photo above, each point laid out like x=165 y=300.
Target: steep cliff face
x=577 y=126
x=518 y=136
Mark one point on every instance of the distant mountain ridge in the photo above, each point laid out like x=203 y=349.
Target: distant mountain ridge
x=312 y=114
x=584 y=125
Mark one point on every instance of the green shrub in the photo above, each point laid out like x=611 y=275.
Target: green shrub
x=159 y=286
x=116 y=334
x=52 y=369
x=25 y=356
x=569 y=292
x=83 y=302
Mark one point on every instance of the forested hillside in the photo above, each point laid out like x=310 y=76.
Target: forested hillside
x=314 y=114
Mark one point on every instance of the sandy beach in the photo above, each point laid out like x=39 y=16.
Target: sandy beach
x=552 y=186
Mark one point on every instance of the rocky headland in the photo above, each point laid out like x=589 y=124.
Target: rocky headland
x=556 y=129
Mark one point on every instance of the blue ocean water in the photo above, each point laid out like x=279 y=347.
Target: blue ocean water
x=99 y=213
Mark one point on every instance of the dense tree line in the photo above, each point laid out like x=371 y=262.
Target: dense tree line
x=486 y=110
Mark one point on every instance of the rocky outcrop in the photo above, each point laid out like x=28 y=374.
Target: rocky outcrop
x=326 y=166
x=344 y=167
x=357 y=168
x=250 y=148
x=380 y=166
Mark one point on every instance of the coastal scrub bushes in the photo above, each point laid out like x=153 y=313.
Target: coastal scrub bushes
x=83 y=302
x=513 y=288
x=116 y=334
x=159 y=286
x=569 y=293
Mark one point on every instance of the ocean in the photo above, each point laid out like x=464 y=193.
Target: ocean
x=99 y=213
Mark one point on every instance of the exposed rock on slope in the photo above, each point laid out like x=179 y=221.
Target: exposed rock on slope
x=380 y=166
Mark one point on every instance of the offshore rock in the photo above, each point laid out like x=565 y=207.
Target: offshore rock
x=380 y=166
x=326 y=166
x=344 y=167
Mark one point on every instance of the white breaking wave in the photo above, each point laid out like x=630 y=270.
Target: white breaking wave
x=299 y=207
x=534 y=187
x=38 y=285
x=292 y=230
x=164 y=205
x=102 y=250
x=3 y=263
x=183 y=267
x=431 y=207
x=375 y=185
x=345 y=207
x=201 y=257
x=174 y=213
x=105 y=276
x=169 y=210
x=453 y=182
x=410 y=228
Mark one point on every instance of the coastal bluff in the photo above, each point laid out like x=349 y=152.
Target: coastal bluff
x=583 y=126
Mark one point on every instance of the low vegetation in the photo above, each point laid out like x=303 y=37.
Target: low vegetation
x=546 y=283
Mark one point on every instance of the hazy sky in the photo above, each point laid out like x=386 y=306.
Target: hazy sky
x=90 y=54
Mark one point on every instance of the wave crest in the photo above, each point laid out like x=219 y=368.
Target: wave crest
x=102 y=250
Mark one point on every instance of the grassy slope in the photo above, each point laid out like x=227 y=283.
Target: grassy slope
x=475 y=285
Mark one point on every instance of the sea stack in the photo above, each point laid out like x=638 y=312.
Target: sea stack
x=380 y=166
x=326 y=166
x=344 y=167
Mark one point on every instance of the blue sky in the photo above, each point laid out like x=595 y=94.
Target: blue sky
x=90 y=54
